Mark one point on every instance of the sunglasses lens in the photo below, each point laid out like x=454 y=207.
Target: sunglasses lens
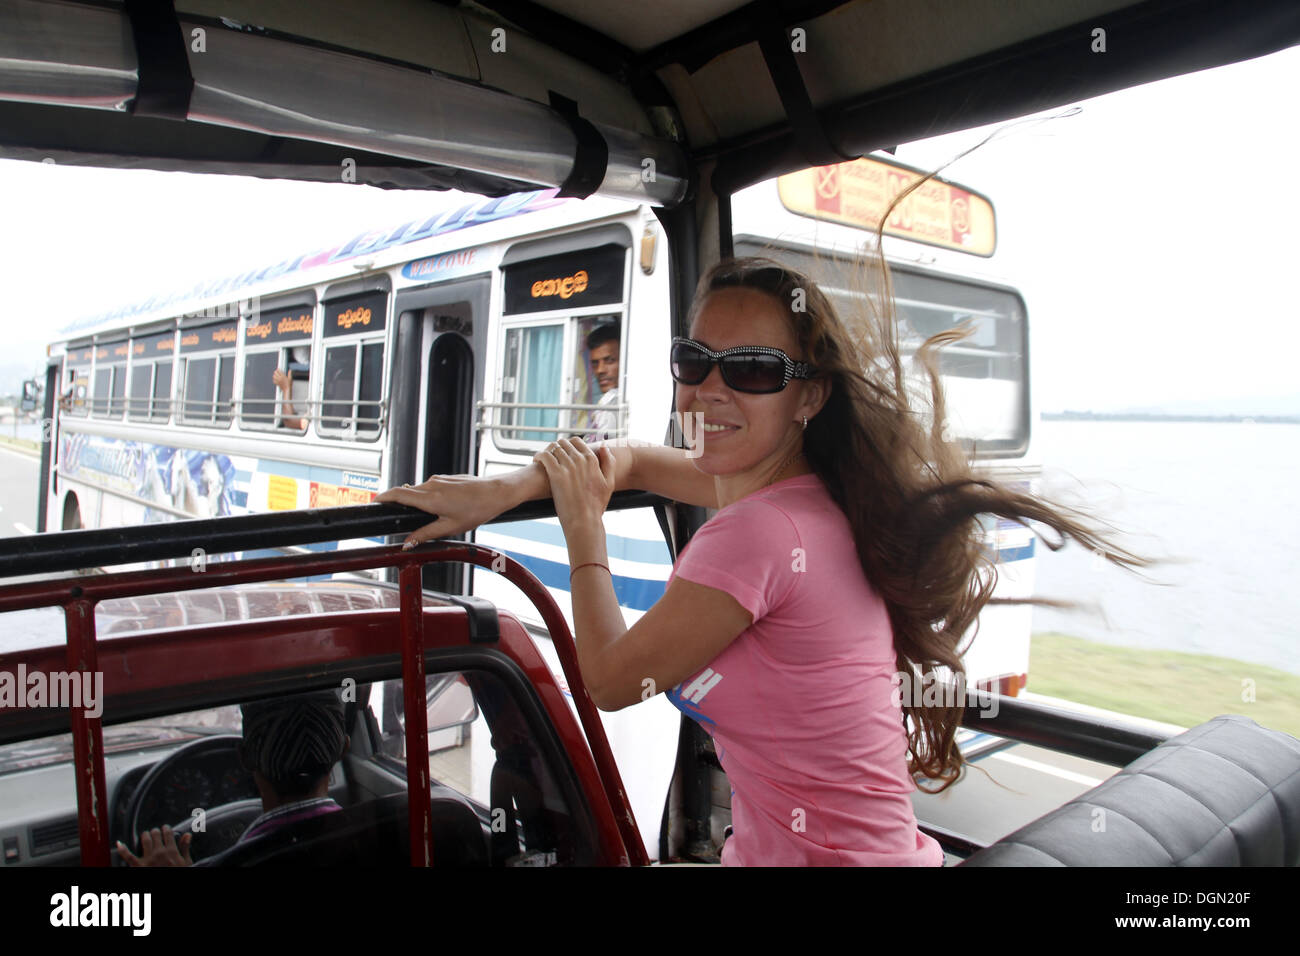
x=754 y=373
x=689 y=365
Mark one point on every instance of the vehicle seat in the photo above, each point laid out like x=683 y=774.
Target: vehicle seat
x=1226 y=793
x=371 y=834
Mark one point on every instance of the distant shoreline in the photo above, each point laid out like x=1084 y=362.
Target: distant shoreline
x=1157 y=417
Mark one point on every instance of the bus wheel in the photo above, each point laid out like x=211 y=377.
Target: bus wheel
x=71 y=514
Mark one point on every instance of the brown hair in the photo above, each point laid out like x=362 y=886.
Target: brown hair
x=911 y=498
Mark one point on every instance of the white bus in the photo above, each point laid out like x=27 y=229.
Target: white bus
x=463 y=341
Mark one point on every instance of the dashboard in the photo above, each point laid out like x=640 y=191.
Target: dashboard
x=40 y=804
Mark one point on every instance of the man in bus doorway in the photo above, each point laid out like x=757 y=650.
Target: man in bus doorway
x=602 y=348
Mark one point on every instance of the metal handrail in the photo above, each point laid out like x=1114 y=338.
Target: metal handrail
x=55 y=552
x=570 y=406
x=620 y=409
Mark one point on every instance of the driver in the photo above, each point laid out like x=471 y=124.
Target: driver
x=290 y=745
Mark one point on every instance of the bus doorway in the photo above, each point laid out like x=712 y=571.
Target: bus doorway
x=441 y=330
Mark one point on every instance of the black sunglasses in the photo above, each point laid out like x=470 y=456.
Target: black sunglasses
x=746 y=368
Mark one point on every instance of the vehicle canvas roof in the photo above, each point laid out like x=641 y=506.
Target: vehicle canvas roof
x=742 y=91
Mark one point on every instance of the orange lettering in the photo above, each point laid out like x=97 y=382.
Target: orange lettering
x=565 y=288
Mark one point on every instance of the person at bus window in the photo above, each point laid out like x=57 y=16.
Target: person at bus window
x=290 y=746
x=846 y=557
x=286 y=383
x=602 y=348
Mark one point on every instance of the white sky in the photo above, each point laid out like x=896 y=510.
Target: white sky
x=1155 y=236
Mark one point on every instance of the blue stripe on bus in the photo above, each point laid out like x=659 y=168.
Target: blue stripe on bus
x=617 y=546
x=639 y=594
x=1007 y=555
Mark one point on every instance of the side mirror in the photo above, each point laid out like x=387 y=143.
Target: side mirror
x=31 y=396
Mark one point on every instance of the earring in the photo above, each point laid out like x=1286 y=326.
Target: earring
x=805 y=423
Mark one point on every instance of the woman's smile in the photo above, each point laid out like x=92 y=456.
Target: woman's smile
x=719 y=428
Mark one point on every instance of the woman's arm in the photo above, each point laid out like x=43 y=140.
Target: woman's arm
x=684 y=630
x=462 y=502
x=667 y=472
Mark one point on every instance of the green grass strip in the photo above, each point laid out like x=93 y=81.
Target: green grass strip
x=1172 y=686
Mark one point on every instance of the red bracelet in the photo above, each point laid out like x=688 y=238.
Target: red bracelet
x=590 y=564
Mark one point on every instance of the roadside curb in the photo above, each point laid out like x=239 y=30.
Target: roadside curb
x=9 y=445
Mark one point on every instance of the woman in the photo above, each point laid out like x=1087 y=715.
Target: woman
x=845 y=558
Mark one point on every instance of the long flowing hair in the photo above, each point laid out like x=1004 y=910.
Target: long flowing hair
x=911 y=498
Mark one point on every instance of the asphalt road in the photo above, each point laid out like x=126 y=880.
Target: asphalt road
x=19 y=477
x=1003 y=791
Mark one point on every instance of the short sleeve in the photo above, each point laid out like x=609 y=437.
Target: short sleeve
x=747 y=550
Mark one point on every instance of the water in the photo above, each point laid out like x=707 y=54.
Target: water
x=1215 y=499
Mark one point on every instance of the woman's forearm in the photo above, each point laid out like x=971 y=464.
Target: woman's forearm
x=658 y=469
x=528 y=483
x=665 y=471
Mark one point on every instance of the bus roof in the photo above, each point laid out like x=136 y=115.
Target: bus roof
x=454 y=217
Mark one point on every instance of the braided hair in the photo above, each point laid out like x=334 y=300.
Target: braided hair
x=293 y=741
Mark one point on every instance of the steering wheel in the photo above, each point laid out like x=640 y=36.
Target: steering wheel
x=223 y=824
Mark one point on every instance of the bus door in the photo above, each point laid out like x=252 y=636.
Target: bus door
x=437 y=373
x=53 y=383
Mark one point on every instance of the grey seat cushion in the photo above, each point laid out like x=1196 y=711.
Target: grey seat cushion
x=1226 y=793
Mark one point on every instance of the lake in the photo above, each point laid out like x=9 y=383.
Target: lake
x=1217 y=501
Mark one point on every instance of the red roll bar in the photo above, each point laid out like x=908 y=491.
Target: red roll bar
x=78 y=598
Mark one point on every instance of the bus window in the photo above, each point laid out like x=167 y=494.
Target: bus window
x=77 y=380
x=151 y=377
x=553 y=305
x=532 y=372
x=986 y=374
x=109 y=397
x=277 y=341
x=354 y=366
x=596 y=376
x=207 y=373
x=257 y=409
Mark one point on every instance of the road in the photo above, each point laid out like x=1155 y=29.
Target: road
x=19 y=477
x=1003 y=791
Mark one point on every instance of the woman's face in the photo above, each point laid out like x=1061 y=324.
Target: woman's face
x=743 y=430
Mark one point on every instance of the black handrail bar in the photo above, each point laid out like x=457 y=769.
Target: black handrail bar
x=104 y=547
x=1093 y=738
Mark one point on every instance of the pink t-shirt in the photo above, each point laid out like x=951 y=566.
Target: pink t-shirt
x=801 y=704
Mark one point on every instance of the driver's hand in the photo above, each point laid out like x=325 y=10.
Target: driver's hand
x=159 y=848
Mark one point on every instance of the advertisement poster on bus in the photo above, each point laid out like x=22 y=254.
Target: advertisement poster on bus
x=169 y=482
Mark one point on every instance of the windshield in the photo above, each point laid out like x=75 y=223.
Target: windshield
x=123 y=738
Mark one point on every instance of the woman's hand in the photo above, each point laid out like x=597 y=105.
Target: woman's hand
x=582 y=482
x=461 y=502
